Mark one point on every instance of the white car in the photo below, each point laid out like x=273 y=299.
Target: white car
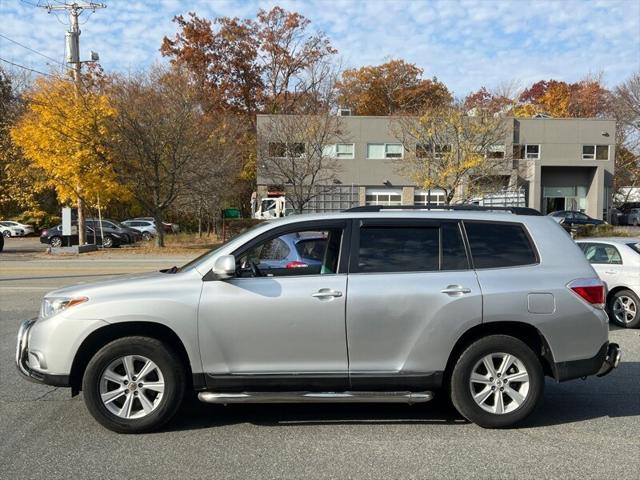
x=28 y=229
x=617 y=262
x=9 y=230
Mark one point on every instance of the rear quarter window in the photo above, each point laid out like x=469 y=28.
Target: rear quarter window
x=497 y=244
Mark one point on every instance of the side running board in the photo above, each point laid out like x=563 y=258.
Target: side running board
x=316 y=397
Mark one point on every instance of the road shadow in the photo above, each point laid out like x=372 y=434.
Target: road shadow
x=616 y=395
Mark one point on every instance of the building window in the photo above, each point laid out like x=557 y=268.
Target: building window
x=421 y=197
x=425 y=150
x=597 y=152
x=284 y=149
x=529 y=152
x=339 y=150
x=380 y=151
x=389 y=197
x=495 y=152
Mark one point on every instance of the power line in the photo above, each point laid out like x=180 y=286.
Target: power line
x=31 y=49
x=27 y=68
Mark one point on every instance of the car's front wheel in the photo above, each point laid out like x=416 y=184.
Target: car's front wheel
x=55 y=242
x=623 y=309
x=107 y=242
x=146 y=236
x=6 y=233
x=134 y=385
x=497 y=381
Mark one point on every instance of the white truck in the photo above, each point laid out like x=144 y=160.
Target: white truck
x=269 y=207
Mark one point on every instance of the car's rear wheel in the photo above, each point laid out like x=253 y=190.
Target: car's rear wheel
x=497 y=382
x=134 y=384
x=107 y=242
x=6 y=233
x=146 y=236
x=623 y=309
x=55 y=242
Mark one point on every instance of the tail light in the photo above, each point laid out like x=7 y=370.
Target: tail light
x=590 y=290
x=44 y=233
x=296 y=264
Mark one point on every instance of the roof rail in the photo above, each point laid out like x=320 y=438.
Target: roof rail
x=473 y=208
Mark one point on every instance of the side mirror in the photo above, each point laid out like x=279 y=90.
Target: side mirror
x=225 y=267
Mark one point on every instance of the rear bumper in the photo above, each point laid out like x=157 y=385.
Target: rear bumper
x=607 y=358
x=22 y=356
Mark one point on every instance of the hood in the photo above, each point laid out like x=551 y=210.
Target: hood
x=129 y=282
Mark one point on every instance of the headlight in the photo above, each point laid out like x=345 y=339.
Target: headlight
x=53 y=305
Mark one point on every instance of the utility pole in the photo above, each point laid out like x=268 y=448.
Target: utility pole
x=72 y=44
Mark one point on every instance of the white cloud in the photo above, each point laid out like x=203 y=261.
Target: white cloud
x=466 y=44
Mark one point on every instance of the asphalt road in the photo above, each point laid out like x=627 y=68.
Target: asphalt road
x=583 y=429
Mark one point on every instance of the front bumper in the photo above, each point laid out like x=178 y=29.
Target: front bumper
x=22 y=360
x=607 y=358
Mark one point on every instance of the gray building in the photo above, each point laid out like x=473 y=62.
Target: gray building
x=558 y=164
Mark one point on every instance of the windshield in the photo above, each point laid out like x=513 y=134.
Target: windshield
x=207 y=255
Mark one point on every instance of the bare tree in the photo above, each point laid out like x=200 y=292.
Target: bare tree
x=163 y=137
x=294 y=151
x=626 y=107
x=464 y=156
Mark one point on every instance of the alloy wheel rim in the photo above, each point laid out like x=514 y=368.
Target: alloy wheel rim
x=131 y=387
x=108 y=242
x=56 y=242
x=499 y=383
x=625 y=309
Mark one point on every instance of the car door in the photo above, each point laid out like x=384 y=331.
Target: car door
x=278 y=327
x=606 y=261
x=411 y=295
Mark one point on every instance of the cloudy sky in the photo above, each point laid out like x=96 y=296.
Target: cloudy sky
x=466 y=43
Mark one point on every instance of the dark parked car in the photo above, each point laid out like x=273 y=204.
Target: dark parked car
x=53 y=236
x=571 y=217
x=128 y=234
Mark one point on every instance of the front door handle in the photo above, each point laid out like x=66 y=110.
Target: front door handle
x=455 y=290
x=325 y=293
x=610 y=272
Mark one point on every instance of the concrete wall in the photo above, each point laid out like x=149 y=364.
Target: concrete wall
x=560 y=141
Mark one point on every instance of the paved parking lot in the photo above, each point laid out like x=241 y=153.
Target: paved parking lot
x=584 y=429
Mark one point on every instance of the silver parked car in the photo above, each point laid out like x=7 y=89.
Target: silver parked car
x=147 y=228
x=617 y=262
x=404 y=305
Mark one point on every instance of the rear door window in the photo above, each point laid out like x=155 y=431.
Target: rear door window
x=410 y=247
x=497 y=244
x=600 y=253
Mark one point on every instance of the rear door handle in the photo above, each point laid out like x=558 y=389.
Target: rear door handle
x=326 y=293
x=611 y=272
x=455 y=290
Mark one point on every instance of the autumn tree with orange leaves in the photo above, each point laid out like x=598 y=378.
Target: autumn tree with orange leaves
x=393 y=87
x=250 y=66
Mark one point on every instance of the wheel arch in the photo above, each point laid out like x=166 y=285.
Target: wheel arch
x=525 y=332
x=615 y=290
x=104 y=335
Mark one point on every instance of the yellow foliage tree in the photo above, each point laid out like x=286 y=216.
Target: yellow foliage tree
x=449 y=150
x=65 y=134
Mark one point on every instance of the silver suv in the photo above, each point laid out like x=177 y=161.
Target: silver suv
x=403 y=305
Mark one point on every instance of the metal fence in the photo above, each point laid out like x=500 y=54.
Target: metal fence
x=339 y=197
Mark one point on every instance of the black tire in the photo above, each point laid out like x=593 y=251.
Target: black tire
x=635 y=302
x=55 y=242
x=173 y=372
x=461 y=389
